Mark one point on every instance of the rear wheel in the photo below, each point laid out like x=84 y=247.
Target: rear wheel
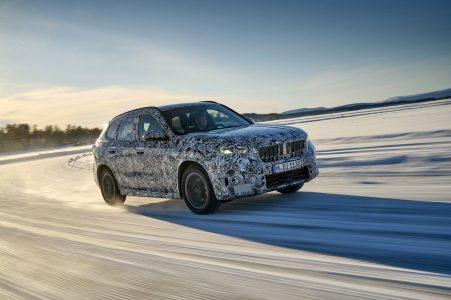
x=110 y=189
x=291 y=189
x=198 y=192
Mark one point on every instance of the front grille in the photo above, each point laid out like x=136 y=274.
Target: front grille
x=275 y=180
x=281 y=151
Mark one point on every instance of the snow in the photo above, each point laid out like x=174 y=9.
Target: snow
x=375 y=224
x=39 y=154
x=441 y=94
x=428 y=95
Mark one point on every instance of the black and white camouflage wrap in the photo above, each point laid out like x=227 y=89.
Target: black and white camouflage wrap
x=156 y=171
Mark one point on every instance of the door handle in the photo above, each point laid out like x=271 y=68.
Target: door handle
x=140 y=151
x=112 y=150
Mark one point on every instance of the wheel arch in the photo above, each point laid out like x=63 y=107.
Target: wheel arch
x=101 y=168
x=181 y=169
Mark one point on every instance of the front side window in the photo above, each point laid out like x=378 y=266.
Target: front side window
x=202 y=118
x=149 y=124
x=126 y=132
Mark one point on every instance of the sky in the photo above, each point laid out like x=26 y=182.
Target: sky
x=83 y=62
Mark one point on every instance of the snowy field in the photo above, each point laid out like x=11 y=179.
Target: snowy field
x=37 y=154
x=376 y=224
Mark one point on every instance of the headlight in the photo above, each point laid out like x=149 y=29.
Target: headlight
x=233 y=150
x=226 y=150
x=242 y=150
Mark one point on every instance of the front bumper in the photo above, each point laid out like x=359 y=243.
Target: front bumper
x=248 y=177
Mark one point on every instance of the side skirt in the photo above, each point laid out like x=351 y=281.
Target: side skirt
x=149 y=193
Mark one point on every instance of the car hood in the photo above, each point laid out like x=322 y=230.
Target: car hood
x=256 y=134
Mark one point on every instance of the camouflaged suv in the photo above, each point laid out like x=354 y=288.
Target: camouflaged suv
x=203 y=152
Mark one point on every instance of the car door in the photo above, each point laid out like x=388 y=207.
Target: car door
x=152 y=155
x=125 y=147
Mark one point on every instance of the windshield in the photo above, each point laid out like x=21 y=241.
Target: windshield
x=202 y=118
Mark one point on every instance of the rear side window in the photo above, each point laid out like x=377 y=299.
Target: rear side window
x=126 y=132
x=112 y=130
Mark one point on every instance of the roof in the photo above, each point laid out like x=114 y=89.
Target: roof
x=181 y=105
x=124 y=113
x=168 y=107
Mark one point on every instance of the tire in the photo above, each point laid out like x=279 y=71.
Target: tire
x=110 y=189
x=198 y=192
x=291 y=189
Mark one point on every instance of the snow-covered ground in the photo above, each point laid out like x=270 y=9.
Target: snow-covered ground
x=37 y=154
x=376 y=223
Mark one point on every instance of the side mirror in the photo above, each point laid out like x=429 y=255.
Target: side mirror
x=154 y=136
x=251 y=120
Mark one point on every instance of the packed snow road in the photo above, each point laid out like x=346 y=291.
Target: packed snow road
x=375 y=224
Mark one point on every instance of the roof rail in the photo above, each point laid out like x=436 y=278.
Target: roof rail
x=133 y=111
x=209 y=101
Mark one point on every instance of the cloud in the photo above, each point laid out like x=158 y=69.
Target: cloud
x=49 y=50
x=86 y=107
x=377 y=82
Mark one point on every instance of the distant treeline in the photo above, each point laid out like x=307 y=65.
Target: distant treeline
x=19 y=137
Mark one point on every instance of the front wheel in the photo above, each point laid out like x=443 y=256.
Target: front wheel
x=198 y=192
x=291 y=189
x=110 y=189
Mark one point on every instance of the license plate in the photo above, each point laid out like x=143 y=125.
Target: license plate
x=242 y=189
x=288 y=166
